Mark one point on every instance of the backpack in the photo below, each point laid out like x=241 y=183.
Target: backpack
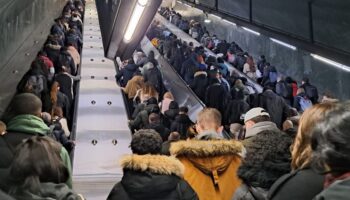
x=35 y=84
x=304 y=103
x=311 y=91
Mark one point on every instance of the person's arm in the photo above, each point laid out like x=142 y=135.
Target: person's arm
x=64 y=125
x=67 y=163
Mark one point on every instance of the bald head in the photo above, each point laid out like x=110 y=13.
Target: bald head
x=26 y=104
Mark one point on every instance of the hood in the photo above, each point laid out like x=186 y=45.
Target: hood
x=27 y=124
x=259 y=127
x=131 y=67
x=200 y=73
x=150 y=176
x=55 y=47
x=151 y=107
x=157 y=164
x=50 y=191
x=212 y=157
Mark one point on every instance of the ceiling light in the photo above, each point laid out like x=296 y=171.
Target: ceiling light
x=331 y=62
x=187 y=5
x=135 y=18
x=251 y=31
x=207 y=21
x=283 y=44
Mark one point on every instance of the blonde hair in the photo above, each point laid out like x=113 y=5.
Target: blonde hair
x=209 y=118
x=133 y=85
x=168 y=95
x=148 y=91
x=301 y=149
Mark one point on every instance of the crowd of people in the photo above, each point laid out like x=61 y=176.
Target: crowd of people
x=243 y=145
x=35 y=139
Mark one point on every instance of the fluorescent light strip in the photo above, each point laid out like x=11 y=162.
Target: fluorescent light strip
x=179 y=2
x=331 y=62
x=135 y=18
x=251 y=31
x=217 y=17
x=283 y=44
x=187 y=5
x=230 y=22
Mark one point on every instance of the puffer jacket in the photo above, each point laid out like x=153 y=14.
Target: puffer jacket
x=200 y=84
x=153 y=177
x=211 y=165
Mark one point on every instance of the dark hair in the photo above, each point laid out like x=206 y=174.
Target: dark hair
x=152 y=100
x=146 y=141
x=306 y=80
x=220 y=60
x=37 y=160
x=173 y=105
x=263 y=118
x=154 y=118
x=183 y=109
x=330 y=141
x=25 y=104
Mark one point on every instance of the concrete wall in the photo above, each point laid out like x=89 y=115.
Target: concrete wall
x=296 y=64
x=24 y=29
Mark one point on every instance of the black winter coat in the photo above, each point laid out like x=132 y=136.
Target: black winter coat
x=275 y=106
x=66 y=85
x=301 y=184
x=215 y=97
x=339 y=190
x=234 y=111
x=181 y=124
x=127 y=73
x=159 y=180
x=200 y=84
x=154 y=77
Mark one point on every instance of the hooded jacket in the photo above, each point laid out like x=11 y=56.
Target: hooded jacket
x=200 y=84
x=152 y=177
x=259 y=127
x=50 y=191
x=210 y=166
x=127 y=73
x=20 y=128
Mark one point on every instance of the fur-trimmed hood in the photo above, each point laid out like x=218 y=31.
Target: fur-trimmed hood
x=200 y=73
x=206 y=148
x=158 y=164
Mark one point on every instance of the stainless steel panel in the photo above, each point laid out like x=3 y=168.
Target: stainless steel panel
x=102 y=133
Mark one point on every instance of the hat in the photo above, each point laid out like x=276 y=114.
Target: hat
x=255 y=112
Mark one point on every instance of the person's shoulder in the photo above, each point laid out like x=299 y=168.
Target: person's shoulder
x=338 y=190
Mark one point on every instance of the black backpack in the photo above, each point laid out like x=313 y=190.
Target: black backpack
x=311 y=91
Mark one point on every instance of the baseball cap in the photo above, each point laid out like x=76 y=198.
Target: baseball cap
x=255 y=112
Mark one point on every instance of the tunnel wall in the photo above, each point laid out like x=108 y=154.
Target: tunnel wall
x=25 y=26
x=296 y=64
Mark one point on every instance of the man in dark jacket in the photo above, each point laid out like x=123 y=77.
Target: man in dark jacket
x=25 y=122
x=153 y=76
x=127 y=72
x=173 y=137
x=200 y=84
x=216 y=96
x=285 y=90
x=169 y=115
x=151 y=176
x=275 y=105
x=182 y=123
x=310 y=90
x=141 y=119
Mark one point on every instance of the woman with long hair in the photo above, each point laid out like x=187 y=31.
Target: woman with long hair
x=303 y=181
x=167 y=99
x=58 y=99
x=37 y=171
